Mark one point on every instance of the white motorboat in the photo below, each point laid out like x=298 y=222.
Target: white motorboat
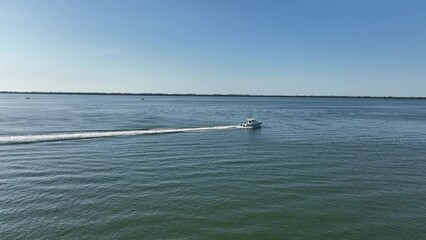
x=251 y=123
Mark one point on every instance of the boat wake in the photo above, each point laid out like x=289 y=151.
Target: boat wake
x=99 y=134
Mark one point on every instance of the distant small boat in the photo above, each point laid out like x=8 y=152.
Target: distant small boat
x=251 y=123
x=142 y=99
x=27 y=98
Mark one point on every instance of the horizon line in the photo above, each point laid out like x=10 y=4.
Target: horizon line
x=203 y=94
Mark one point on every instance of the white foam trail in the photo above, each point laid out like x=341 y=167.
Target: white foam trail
x=99 y=134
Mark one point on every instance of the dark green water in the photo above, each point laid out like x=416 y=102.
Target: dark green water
x=317 y=169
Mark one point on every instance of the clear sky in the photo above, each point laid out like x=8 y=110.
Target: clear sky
x=316 y=47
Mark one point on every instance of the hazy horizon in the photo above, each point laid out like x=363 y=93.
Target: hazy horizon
x=339 y=48
x=202 y=94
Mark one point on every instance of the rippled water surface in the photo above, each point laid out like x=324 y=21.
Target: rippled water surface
x=116 y=167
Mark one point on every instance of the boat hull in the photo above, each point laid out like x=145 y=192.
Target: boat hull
x=257 y=125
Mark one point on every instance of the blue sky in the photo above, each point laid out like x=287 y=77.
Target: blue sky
x=342 y=47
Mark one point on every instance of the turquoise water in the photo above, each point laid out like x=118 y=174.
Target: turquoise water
x=116 y=167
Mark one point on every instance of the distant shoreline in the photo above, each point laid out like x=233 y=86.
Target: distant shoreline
x=205 y=95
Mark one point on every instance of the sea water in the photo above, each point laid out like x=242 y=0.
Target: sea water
x=177 y=167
